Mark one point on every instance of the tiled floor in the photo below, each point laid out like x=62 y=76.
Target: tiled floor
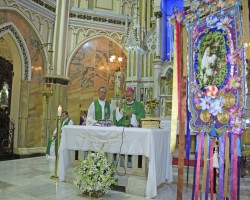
x=29 y=179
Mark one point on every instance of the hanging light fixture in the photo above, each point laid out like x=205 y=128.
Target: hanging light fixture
x=48 y=78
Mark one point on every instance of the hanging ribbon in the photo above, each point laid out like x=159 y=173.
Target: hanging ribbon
x=176 y=87
x=198 y=166
x=204 y=174
x=187 y=131
x=221 y=166
x=238 y=193
x=227 y=164
x=235 y=168
x=194 y=178
x=208 y=169
x=178 y=62
x=211 y=169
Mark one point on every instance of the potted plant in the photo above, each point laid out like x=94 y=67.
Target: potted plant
x=94 y=175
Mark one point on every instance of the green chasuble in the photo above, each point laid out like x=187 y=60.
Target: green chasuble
x=98 y=110
x=137 y=108
x=53 y=138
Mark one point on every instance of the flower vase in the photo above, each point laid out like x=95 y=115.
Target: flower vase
x=152 y=112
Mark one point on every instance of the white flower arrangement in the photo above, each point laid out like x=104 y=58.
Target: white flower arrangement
x=94 y=174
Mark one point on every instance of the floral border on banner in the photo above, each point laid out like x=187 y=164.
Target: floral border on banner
x=217 y=72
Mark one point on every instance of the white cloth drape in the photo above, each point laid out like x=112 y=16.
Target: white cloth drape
x=153 y=143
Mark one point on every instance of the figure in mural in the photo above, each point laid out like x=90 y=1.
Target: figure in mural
x=208 y=63
x=119 y=77
x=4 y=95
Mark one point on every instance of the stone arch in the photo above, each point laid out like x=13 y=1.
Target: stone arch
x=85 y=41
x=126 y=10
x=11 y=29
x=168 y=74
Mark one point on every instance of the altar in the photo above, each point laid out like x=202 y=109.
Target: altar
x=152 y=143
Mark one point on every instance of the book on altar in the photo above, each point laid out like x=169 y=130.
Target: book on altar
x=150 y=122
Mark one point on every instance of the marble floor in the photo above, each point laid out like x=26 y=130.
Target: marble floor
x=29 y=179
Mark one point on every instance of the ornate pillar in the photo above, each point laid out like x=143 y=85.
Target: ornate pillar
x=158 y=16
x=157 y=60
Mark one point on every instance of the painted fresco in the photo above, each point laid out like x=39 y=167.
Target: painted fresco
x=90 y=68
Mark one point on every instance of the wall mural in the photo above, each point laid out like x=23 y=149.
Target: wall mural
x=91 y=68
x=216 y=95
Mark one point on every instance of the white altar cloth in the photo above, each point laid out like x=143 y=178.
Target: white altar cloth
x=153 y=143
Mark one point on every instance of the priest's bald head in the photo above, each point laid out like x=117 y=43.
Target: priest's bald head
x=130 y=95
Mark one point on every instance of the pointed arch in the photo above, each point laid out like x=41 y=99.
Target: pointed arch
x=85 y=41
x=11 y=29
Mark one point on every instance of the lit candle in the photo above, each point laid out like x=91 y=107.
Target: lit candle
x=59 y=111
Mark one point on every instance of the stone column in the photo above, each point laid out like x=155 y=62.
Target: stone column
x=60 y=37
x=157 y=73
x=158 y=16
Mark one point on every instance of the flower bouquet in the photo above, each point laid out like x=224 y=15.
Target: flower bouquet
x=94 y=175
x=219 y=107
x=151 y=104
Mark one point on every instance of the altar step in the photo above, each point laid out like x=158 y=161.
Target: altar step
x=131 y=184
x=136 y=185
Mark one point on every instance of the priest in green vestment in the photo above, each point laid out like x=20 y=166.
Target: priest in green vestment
x=130 y=112
x=99 y=109
x=50 y=152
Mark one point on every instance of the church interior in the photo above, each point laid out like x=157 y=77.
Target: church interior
x=187 y=62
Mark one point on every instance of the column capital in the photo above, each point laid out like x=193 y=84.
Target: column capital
x=157 y=62
x=158 y=14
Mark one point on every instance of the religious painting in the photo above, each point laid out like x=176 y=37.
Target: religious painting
x=211 y=64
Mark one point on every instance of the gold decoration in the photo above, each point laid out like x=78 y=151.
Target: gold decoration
x=198 y=106
x=223 y=117
x=229 y=100
x=205 y=116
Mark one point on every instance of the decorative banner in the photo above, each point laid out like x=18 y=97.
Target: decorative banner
x=216 y=91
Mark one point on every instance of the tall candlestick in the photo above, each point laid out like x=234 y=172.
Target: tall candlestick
x=59 y=111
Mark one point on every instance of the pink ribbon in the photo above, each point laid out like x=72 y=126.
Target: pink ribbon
x=211 y=170
x=235 y=169
x=198 y=166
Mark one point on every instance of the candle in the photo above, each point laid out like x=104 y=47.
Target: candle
x=59 y=111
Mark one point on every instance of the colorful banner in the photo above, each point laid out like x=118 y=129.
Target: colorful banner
x=216 y=90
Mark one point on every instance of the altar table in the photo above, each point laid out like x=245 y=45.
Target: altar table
x=152 y=143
